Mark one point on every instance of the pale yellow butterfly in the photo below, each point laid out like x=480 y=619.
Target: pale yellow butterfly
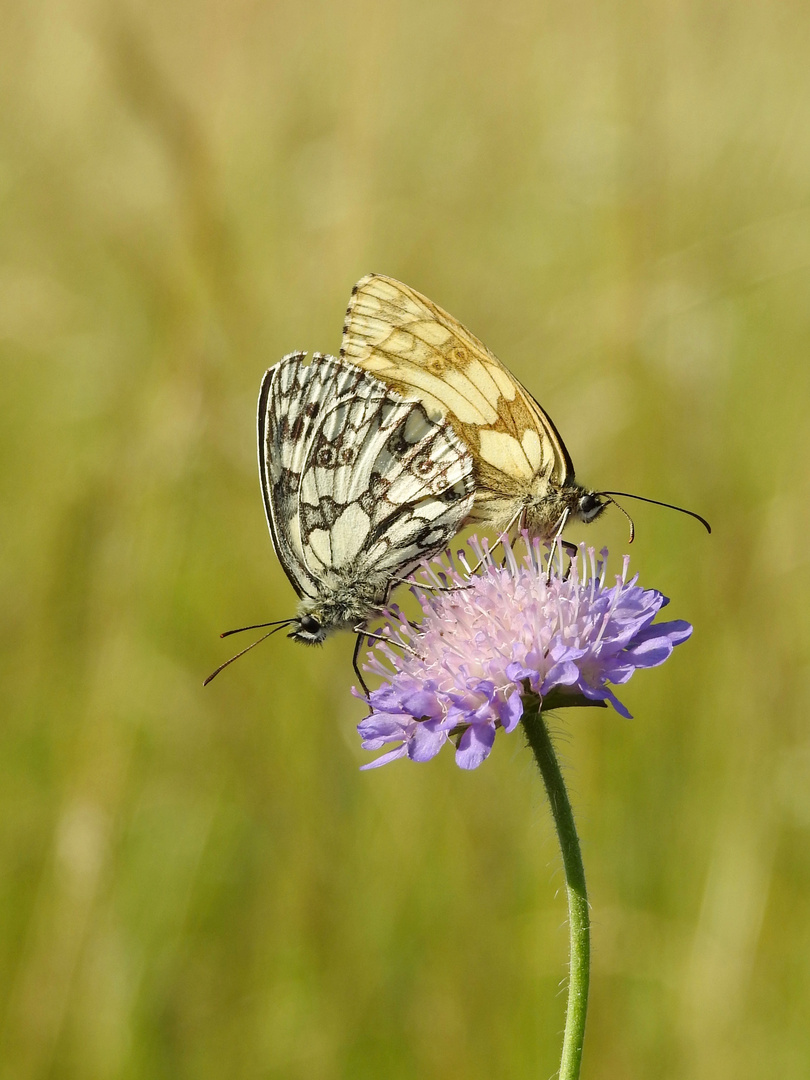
x=523 y=473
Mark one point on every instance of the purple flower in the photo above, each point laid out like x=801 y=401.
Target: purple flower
x=489 y=638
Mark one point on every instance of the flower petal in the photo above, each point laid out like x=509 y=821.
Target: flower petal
x=475 y=745
x=427 y=740
x=486 y=637
x=392 y=755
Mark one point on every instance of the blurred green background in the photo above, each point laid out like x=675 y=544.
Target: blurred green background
x=200 y=883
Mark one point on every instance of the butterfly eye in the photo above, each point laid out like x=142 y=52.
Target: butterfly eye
x=590 y=506
x=310 y=625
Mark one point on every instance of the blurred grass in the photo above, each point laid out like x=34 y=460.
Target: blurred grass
x=198 y=884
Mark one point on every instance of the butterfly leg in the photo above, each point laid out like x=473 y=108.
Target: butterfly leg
x=357 y=647
x=518 y=517
x=519 y=524
x=491 y=551
x=571 y=550
x=428 y=588
x=553 y=545
x=363 y=634
x=444 y=588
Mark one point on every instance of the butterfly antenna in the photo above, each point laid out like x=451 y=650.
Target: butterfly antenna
x=620 y=507
x=276 y=628
x=256 y=626
x=657 y=502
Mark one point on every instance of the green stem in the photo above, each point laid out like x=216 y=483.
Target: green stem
x=578 y=914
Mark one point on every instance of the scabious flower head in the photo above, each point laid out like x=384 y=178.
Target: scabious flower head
x=491 y=639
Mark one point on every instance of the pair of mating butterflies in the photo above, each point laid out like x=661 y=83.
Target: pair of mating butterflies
x=372 y=462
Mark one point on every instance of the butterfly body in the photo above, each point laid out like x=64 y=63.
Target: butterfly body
x=359 y=486
x=339 y=605
x=523 y=473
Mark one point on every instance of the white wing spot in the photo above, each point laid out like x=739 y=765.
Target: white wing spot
x=416 y=427
x=349 y=534
x=308 y=490
x=503 y=380
x=469 y=404
x=319 y=543
x=438 y=394
x=504 y=452
x=431 y=332
x=533 y=449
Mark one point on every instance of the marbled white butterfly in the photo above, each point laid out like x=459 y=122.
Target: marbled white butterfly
x=359 y=485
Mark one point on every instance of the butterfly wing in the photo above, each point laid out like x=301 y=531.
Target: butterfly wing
x=383 y=487
x=293 y=400
x=418 y=349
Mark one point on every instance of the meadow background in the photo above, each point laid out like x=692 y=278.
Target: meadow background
x=200 y=883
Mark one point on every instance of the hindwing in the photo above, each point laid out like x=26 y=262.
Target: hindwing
x=293 y=399
x=383 y=487
x=414 y=346
x=358 y=483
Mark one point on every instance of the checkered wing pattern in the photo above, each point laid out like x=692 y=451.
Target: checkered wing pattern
x=358 y=482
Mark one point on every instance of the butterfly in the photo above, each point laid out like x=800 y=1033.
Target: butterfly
x=359 y=486
x=524 y=475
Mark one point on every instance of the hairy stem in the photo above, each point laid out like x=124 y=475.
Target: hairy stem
x=578 y=914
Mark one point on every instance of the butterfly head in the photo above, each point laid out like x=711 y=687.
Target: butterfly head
x=589 y=505
x=309 y=629
x=343 y=603
x=544 y=514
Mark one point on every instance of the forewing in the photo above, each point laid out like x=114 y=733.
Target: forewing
x=294 y=398
x=384 y=486
x=420 y=350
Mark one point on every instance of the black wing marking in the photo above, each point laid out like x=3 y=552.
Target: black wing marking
x=384 y=486
x=293 y=400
